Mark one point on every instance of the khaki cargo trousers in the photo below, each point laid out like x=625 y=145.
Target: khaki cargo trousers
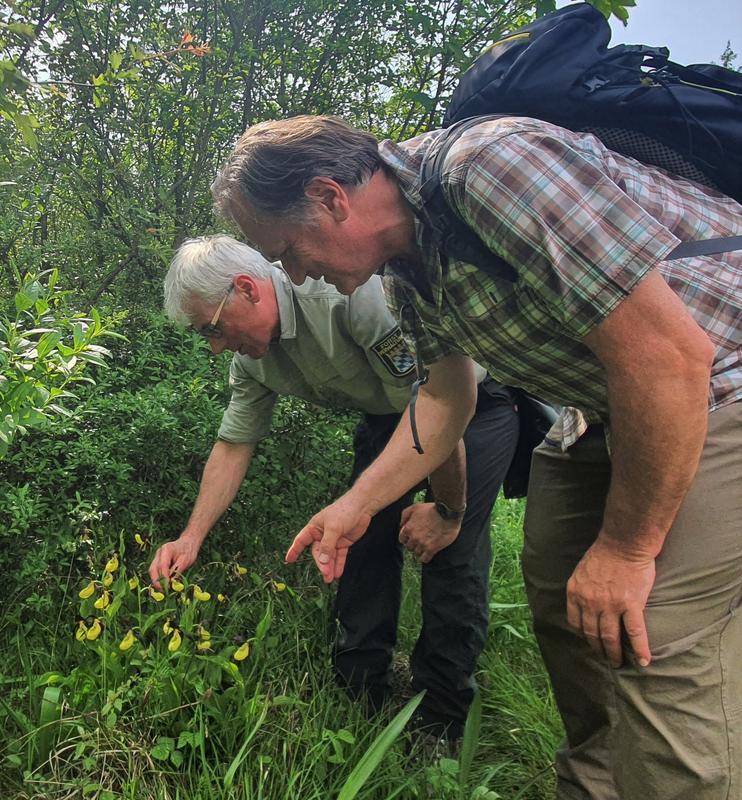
x=672 y=731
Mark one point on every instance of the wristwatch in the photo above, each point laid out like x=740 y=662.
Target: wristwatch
x=450 y=514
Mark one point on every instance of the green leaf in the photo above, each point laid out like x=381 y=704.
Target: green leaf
x=115 y=61
x=470 y=740
x=378 y=749
x=162 y=749
x=241 y=755
x=78 y=334
x=346 y=736
x=47 y=343
x=23 y=302
x=51 y=708
x=189 y=738
x=26 y=124
x=621 y=13
x=21 y=29
x=264 y=624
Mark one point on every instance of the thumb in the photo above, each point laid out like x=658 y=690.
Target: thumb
x=325 y=553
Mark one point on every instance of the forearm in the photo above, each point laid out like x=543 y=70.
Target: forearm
x=224 y=471
x=657 y=363
x=444 y=407
x=657 y=434
x=448 y=482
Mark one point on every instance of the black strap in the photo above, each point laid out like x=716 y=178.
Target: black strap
x=451 y=235
x=455 y=239
x=408 y=324
x=413 y=401
x=706 y=247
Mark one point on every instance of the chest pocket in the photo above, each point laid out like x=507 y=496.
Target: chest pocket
x=504 y=314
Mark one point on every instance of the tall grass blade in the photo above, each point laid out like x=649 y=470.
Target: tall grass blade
x=373 y=756
x=469 y=742
x=240 y=757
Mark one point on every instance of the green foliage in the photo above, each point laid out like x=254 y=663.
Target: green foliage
x=132 y=459
x=43 y=351
x=13 y=83
x=137 y=105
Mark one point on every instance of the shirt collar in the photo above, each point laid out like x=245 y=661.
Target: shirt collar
x=285 y=301
x=404 y=160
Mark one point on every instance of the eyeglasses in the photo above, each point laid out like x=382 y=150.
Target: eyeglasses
x=212 y=330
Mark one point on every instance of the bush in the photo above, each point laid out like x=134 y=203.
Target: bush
x=131 y=460
x=44 y=350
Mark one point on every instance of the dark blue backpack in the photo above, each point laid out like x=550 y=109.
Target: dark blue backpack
x=687 y=120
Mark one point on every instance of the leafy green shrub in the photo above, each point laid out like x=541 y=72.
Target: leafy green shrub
x=43 y=351
x=131 y=460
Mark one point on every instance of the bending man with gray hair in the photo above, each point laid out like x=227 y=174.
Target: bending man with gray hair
x=348 y=352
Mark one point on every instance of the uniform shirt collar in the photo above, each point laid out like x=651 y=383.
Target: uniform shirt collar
x=285 y=301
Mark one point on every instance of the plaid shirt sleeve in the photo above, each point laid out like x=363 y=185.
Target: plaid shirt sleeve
x=580 y=244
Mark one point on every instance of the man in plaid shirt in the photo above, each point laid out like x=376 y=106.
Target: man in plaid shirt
x=631 y=558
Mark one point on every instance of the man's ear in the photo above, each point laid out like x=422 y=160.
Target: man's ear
x=247 y=286
x=330 y=195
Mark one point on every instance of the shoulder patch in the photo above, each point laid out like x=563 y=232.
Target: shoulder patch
x=394 y=353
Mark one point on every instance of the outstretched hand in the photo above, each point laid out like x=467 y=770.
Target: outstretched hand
x=172 y=558
x=330 y=533
x=606 y=594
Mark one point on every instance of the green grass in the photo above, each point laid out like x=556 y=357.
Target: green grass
x=171 y=726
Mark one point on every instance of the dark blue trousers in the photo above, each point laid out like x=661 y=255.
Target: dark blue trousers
x=454 y=585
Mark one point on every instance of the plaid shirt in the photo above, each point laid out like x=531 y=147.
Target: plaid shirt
x=582 y=225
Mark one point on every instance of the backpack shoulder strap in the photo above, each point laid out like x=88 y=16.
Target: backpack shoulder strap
x=455 y=239
x=452 y=236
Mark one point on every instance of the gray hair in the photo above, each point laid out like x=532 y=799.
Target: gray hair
x=203 y=268
x=273 y=163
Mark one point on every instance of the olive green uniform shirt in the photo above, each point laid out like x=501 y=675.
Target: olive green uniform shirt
x=335 y=351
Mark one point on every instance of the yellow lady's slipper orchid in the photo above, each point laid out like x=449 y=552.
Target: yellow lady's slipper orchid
x=112 y=564
x=87 y=591
x=200 y=594
x=167 y=628
x=242 y=652
x=81 y=631
x=203 y=646
x=103 y=601
x=141 y=542
x=94 y=631
x=134 y=583
x=107 y=579
x=279 y=586
x=127 y=641
x=222 y=598
x=240 y=570
x=176 y=585
x=175 y=641
x=158 y=597
x=202 y=632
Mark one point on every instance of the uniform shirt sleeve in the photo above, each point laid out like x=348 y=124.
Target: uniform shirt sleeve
x=249 y=415
x=579 y=242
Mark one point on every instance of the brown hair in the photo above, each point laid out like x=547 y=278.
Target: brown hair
x=273 y=162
